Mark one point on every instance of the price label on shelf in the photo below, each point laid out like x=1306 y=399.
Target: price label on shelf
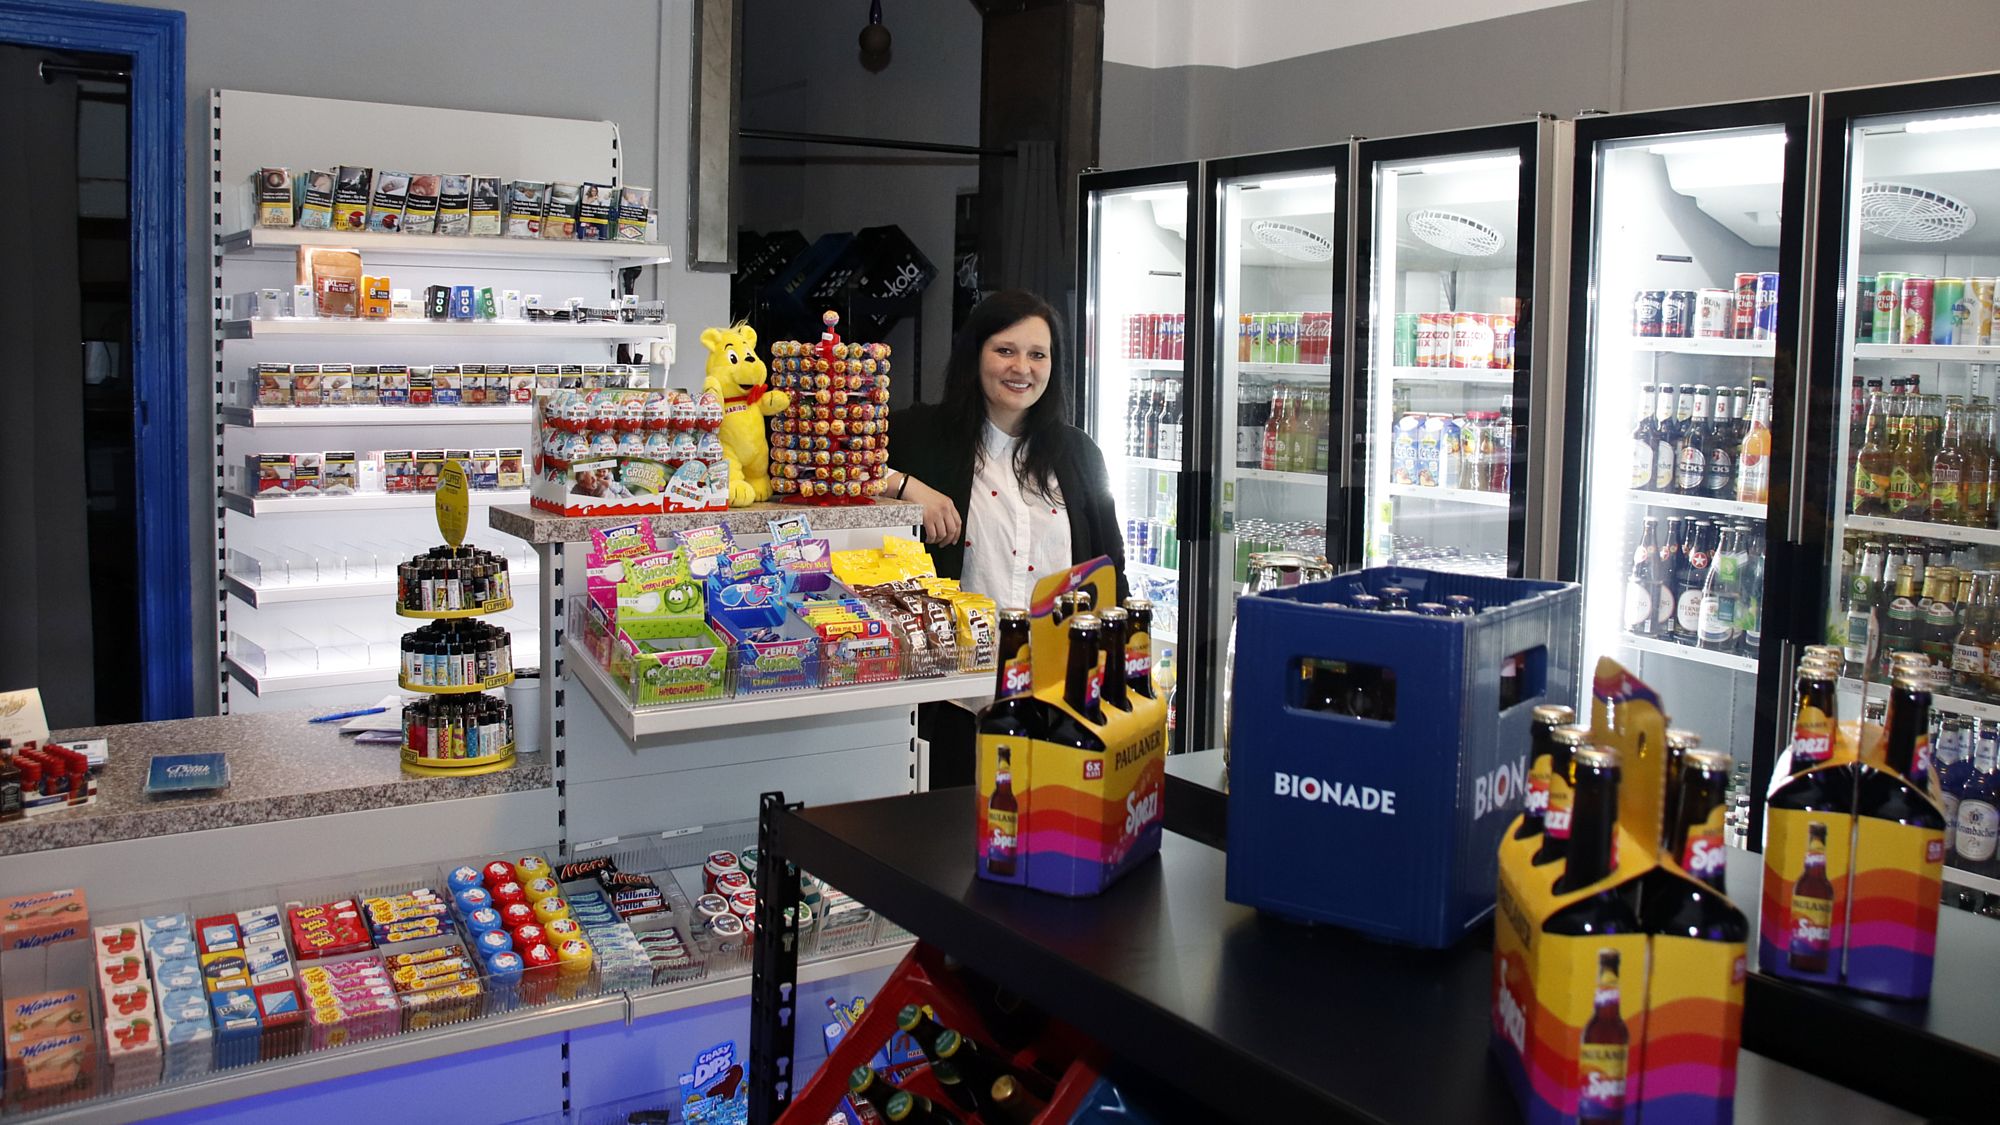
x=454 y=502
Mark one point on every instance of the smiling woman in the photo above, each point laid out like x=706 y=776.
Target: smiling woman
x=1011 y=491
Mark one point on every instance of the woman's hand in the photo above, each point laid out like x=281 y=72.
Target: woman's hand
x=941 y=521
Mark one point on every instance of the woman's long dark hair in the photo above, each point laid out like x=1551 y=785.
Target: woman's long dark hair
x=1046 y=433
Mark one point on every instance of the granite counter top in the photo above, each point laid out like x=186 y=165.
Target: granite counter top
x=537 y=526
x=281 y=768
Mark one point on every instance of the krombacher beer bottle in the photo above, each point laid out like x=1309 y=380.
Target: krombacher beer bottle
x=1083 y=688
x=1695 y=819
x=1564 y=742
x=864 y=1085
x=1113 y=644
x=981 y=1070
x=1541 y=743
x=1812 y=907
x=1139 y=646
x=1593 y=850
x=953 y=1083
x=1010 y=1103
x=1603 y=1052
x=916 y=1023
x=915 y=1109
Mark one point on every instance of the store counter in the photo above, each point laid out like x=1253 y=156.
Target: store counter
x=303 y=802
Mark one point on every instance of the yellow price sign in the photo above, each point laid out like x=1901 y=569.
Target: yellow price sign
x=454 y=502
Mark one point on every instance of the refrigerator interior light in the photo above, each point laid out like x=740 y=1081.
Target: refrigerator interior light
x=1470 y=164
x=1954 y=124
x=1737 y=144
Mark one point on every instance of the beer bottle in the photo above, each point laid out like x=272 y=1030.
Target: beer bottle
x=916 y=1023
x=1750 y=618
x=1642 y=440
x=1602 y=1052
x=1861 y=587
x=1083 y=690
x=1720 y=481
x=864 y=1085
x=1940 y=632
x=1695 y=829
x=1721 y=596
x=1906 y=750
x=1642 y=591
x=1139 y=647
x=1541 y=754
x=1593 y=851
x=1669 y=573
x=915 y=1109
x=1564 y=742
x=981 y=1069
x=1972 y=797
x=1968 y=649
x=1949 y=471
x=1812 y=907
x=1113 y=634
x=1899 y=629
x=1869 y=495
x=1813 y=719
x=1909 y=468
x=1691 y=449
x=953 y=1083
x=1753 y=457
x=1679 y=742
x=1666 y=438
x=1697 y=559
x=1009 y=1103
x=1013 y=712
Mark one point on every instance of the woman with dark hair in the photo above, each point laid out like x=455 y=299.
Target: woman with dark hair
x=1011 y=491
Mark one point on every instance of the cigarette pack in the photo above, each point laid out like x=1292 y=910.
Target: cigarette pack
x=634 y=204
x=336 y=384
x=386 y=204
x=305 y=384
x=351 y=190
x=445 y=390
x=483 y=468
x=392 y=384
x=560 y=221
x=338 y=473
x=527 y=202
x=420 y=385
x=594 y=210
x=315 y=195
x=420 y=211
x=274 y=384
x=454 y=211
x=305 y=474
x=271 y=188
x=485 y=206
x=365 y=385
x=270 y=473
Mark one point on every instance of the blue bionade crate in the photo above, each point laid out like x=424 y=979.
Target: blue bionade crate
x=1390 y=828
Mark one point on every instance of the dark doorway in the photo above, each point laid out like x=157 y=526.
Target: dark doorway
x=68 y=485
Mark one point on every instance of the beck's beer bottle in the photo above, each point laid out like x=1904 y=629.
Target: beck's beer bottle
x=1139 y=646
x=1564 y=742
x=1113 y=644
x=1593 y=850
x=1812 y=906
x=1603 y=1051
x=1541 y=751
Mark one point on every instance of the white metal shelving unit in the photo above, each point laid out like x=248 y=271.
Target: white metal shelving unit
x=252 y=130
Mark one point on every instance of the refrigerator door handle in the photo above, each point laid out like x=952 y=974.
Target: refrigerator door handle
x=1801 y=420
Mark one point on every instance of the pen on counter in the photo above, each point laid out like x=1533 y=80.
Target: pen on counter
x=339 y=715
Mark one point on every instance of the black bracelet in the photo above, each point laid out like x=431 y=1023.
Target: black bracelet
x=902 y=486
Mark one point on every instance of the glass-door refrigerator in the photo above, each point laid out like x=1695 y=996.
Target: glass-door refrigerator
x=1136 y=285
x=1275 y=290
x=1454 y=253
x=1903 y=474
x=1688 y=231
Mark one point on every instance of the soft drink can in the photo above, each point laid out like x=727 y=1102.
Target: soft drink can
x=1864 y=308
x=1178 y=333
x=1677 y=314
x=1646 y=312
x=1408 y=326
x=1888 y=325
x=1471 y=340
x=1743 y=319
x=1918 y=296
x=1149 y=334
x=1713 y=310
x=1979 y=306
x=1948 y=299
x=1260 y=338
x=1503 y=340
x=1319 y=333
x=1288 y=338
x=1139 y=540
x=1426 y=339
x=1767 y=306
x=1135 y=327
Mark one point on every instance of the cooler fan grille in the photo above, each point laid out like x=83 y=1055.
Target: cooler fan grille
x=1908 y=213
x=1455 y=234
x=1292 y=241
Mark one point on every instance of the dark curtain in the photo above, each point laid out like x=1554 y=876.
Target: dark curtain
x=1032 y=252
x=45 y=636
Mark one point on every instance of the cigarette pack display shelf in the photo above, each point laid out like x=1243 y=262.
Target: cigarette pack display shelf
x=328 y=416
x=1701 y=345
x=457 y=330
x=1279 y=476
x=709 y=717
x=536 y=526
x=1929 y=353
x=1916 y=529
x=1480 y=376
x=1451 y=495
x=261 y=595
x=282 y=243
x=1740 y=509
x=356 y=502
x=261 y=683
x=1154 y=463
x=1311 y=372
x=1187 y=992
x=1651 y=647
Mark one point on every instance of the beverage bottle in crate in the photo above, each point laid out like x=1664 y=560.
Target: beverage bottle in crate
x=1009 y=1103
x=866 y=1087
x=915 y=1109
x=1590 y=854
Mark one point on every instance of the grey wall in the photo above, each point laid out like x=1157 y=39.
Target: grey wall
x=801 y=73
x=618 y=60
x=1613 y=55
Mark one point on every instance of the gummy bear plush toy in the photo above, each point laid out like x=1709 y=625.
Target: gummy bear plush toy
x=737 y=376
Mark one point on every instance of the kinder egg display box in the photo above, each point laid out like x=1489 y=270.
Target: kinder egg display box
x=624 y=451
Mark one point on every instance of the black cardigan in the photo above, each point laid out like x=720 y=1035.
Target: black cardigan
x=922 y=445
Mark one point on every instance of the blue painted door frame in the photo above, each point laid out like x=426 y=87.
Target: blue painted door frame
x=155 y=40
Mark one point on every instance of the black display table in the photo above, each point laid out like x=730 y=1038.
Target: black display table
x=1251 y=1019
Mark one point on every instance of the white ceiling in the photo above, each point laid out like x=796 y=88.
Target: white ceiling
x=1238 y=33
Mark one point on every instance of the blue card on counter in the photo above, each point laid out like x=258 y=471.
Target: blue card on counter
x=187 y=773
